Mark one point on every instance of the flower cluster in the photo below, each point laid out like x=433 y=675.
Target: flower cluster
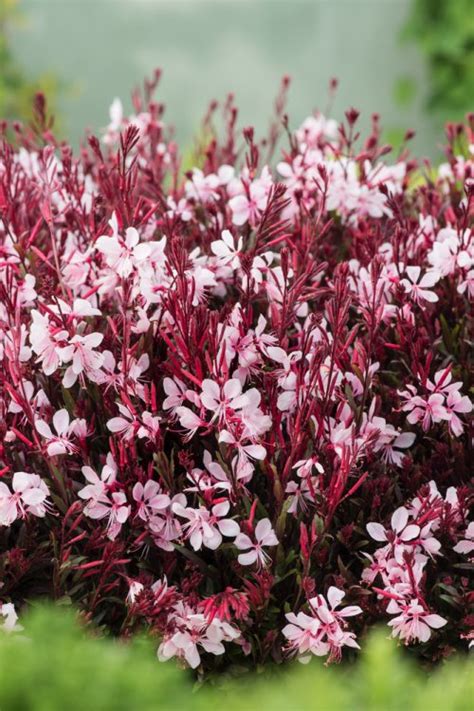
x=323 y=631
x=231 y=396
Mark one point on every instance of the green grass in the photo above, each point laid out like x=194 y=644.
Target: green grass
x=56 y=665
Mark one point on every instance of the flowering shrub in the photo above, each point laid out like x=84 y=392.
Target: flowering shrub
x=235 y=403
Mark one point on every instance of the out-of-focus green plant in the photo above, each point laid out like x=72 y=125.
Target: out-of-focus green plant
x=54 y=665
x=444 y=31
x=17 y=89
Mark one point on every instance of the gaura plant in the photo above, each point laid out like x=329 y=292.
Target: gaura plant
x=235 y=403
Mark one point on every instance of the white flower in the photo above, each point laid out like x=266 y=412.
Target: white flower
x=194 y=631
x=414 y=623
x=126 y=425
x=189 y=421
x=98 y=485
x=219 y=400
x=122 y=254
x=114 y=508
x=7 y=610
x=134 y=590
x=84 y=358
x=206 y=528
x=80 y=308
x=466 y=546
x=401 y=533
x=419 y=290
x=202 y=187
x=45 y=342
x=29 y=496
x=150 y=499
x=59 y=443
x=247 y=207
x=226 y=250
x=324 y=630
x=264 y=536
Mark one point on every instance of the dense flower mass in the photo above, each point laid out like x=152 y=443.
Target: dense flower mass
x=235 y=395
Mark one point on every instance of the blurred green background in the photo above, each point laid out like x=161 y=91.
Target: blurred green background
x=409 y=60
x=55 y=666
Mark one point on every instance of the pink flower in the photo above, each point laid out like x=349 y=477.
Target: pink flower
x=245 y=451
x=193 y=632
x=126 y=425
x=314 y=128
x=165 y=526
x=36 y=402
x=181 y=209
x=286 y=376
x=134 y=590
x=304 y=635
x=443 y=255
x=114 y=508
x=467 y=284
x=84 y=358
x=29 y=496
x=264 y=536
x=185 y=645
x=226 y=250
x=122 y=255
x=401 y=441
x=304 y=468
x=300 y=493
x=150 y=427
x=419 y=290
x=442 y=382
x=430 y=410
x=98 y=486
x=175 y=390
x=466 y=546
x=220 y=399
x=427 y=541
x=59 y=443
x=369 y=201
x=455 y=403
x=249 y=207
x=46 y=342
x=150 y=500
x=202 y=187
x=213 y=479
x=254 y=422
x=324 y=631
x=400 y=534
x=80 y=308
x=76 y=268
x=414 y=623
x=189 y=421
x=206 y=528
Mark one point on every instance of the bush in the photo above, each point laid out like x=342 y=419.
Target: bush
x=232 y=400
x=54 y=661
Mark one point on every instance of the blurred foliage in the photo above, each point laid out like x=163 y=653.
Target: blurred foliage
x=54 y=665
x=17 y=89
x=444 y=31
